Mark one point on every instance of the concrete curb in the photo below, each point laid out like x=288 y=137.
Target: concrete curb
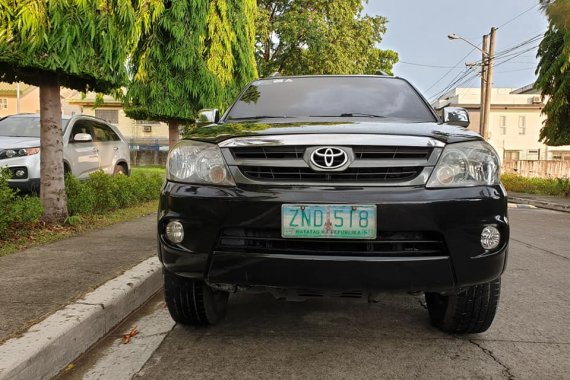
x=50 y=345
x=541 y=204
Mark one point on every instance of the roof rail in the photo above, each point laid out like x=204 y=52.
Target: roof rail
x=274 y=74
x=380 y=72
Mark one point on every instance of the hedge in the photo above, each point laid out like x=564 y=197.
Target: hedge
x=98 y=194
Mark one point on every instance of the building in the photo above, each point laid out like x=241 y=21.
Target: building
x=514 y=122
x=28 y=100
x=141 y=134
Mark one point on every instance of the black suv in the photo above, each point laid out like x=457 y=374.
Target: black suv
x=341 y=186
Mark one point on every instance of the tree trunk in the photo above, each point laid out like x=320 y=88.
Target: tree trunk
x=52 y=185
x=173 y=133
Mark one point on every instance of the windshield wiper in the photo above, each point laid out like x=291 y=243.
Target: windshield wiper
x=353 y=114
x=259 y=117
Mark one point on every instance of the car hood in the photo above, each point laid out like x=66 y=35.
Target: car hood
x=12 y=142
x=442 y=132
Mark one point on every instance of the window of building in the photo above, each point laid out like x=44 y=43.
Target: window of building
x=148 y=122
x=522 y=125
x=3 y=104
x=110 y=116
x=503 y=124
x=533 y=154
x=511 y=155
x=561 y=155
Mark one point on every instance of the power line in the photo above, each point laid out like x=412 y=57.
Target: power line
x=512 y=71
x=424 y=65
x=518 y=46
x=515 y=56
x=457 y=81
x=450 y=70
x=517 y=16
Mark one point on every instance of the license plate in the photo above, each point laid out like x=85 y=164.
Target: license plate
x=328 y=221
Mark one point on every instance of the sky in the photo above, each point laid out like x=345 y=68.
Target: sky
x=418 y=31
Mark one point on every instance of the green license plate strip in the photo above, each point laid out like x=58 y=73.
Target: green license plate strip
x=328 y=221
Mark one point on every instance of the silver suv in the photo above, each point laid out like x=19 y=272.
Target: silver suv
x=89 y=144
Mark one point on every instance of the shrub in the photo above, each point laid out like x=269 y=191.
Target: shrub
x=80 y=197
x=543 y=186
x=16 y=209
x=101 y=193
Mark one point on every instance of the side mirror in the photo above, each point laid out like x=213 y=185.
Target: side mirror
x=208 y=116
x=456 y=116
x=82 y=138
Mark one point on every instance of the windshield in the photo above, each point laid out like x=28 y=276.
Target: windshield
x=341 y=97
x=19 y=126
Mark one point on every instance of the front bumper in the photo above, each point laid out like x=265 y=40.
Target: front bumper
x=30 y=165
x=456 y=215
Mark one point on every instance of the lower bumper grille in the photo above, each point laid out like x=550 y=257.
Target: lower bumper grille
x=387 y=244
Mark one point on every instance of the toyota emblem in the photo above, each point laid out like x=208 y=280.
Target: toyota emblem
x=329 y=157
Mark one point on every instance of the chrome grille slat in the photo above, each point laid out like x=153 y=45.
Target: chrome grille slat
x=358 y=174
x=286 y=160
x=274 y=152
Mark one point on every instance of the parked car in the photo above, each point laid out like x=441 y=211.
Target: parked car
x=89 y=144
x=343 y=186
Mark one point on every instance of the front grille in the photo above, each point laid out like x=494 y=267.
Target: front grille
x=349 y=175
x=368 y=164
x=391 y=152
x=270 y=152
x=387 y=244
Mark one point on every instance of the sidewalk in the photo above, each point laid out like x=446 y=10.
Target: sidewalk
x=37 y=282
x=543 y=201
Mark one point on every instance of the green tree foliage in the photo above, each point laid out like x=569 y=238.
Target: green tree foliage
x=319 y=37
x=198 y=54
x=80 y=44
x=554 y=73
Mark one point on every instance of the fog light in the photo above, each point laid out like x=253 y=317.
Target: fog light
x=175 y=232
x=490 y=237
x=20 y=173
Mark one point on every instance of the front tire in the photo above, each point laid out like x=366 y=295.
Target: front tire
x=470 y=311
x=119 y=170
x=193 y=302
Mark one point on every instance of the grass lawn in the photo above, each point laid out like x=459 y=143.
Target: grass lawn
x=88 y=205
x=38 y=234
x=149 y=169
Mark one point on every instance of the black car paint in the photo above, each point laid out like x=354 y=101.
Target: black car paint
x=458 y=214
x=217 y=133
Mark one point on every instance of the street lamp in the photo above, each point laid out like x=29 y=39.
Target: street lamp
x=456 y=37
x=486 y=76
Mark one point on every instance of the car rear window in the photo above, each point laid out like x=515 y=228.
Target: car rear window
x=19 y=126
x=314 y=97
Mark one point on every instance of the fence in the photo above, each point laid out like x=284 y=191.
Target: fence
x=538 y=168
x=148 y=157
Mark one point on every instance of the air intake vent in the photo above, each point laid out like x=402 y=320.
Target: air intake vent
x=390 y=244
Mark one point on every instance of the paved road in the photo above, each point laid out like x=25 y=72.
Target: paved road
x=331 y=339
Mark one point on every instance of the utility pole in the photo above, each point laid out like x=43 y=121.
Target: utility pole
x=18 y=97
x=484 y=59
x=489 y=84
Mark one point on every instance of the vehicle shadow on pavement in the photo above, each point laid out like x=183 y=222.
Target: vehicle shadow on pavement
x=394 y=315
x=264 y=338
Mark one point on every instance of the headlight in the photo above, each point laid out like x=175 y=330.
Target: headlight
x=18 y=152
x=473 y=163
x=198 y=162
